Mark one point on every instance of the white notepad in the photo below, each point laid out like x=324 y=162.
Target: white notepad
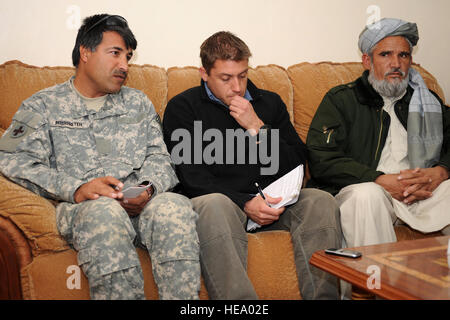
x=288 y=187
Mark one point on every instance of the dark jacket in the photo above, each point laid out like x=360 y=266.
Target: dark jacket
x=237 y=181
x=348 y=133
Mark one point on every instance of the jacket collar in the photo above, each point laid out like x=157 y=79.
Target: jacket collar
x=366 y=94
x=113 y=104
x=252 y=89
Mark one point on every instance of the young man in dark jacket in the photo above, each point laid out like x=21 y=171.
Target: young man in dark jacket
x=219 y=171
x=382 y=142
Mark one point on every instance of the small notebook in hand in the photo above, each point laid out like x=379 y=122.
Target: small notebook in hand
x=288 y=187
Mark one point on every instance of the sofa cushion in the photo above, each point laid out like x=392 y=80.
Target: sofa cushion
x=62 y=269
x=18 y=81
x=151 y=80
x=181 y=79
x=275 y=78
x=271 y=280
x=33 y=215
x=311 y=81
x=271 y=266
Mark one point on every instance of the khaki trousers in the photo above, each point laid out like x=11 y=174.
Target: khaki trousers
x=313 y=223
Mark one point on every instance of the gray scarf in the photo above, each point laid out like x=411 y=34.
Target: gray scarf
x=424 y=124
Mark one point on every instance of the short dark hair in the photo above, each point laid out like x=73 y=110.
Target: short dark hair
x=223 y=45
x=90 y=34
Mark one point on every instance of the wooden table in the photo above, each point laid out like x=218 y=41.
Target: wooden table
x=413 y=269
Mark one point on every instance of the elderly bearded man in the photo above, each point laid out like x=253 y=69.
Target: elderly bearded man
x=381 y=143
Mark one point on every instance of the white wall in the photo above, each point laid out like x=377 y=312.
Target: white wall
x=169 y=32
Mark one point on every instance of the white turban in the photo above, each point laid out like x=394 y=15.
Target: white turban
x=387 y=27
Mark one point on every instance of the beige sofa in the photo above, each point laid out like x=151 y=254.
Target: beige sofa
x=35 y=260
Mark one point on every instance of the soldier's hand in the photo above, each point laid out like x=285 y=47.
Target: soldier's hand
x=94 y=189
x=134 y=206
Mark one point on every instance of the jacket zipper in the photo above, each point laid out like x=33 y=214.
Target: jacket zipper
x=329 y=135
x=329 y=131
x=381 y=130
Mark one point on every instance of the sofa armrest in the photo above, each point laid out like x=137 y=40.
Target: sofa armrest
x=15 y=253
x=33 y=215
x=9 y=271
x=17 y=241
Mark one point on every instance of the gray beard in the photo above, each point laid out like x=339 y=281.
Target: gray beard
x=388 y=89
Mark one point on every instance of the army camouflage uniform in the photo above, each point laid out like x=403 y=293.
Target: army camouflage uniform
x=54 y=145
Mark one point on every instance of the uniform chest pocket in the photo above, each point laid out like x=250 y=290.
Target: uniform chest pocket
x=76 y=138
x=74 y=150
x=130 y=146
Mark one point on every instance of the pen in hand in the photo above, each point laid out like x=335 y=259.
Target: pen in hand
x=261 y=193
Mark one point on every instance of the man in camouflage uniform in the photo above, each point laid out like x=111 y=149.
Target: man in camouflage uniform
x=82 y=142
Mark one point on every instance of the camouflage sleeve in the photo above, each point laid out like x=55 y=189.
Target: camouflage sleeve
x=26 y=154
x=158 y=167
